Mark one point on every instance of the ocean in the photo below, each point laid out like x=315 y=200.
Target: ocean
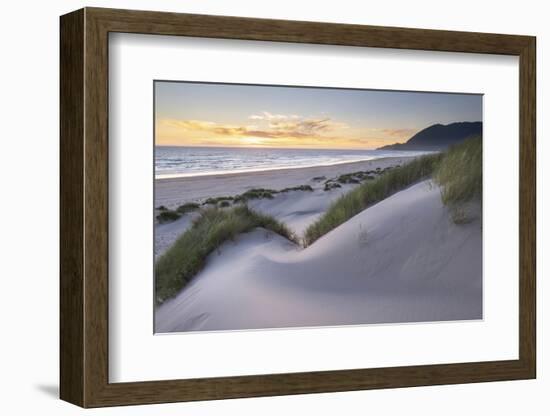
x=175 y=161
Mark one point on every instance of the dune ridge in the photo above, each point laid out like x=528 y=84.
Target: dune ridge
x=296 y=209
x=362 y=272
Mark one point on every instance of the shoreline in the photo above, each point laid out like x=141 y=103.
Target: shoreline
x=237 y=171
x=278 y=168
x=171 y=192
x=296 y=209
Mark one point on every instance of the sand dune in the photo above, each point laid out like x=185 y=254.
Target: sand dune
x=296 y=209
x=166 y=234
x=401 y=260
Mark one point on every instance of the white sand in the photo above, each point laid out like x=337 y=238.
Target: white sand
x=402 y=260
x=297 y=209
x=166 y=234
x=172 y=192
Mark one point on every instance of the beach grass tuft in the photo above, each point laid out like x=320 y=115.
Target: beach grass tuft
x=460 y=173
x=256 y=193
x=188 y=207
x=370 y=192
x=215 y=201
x=168 y=216
x=306 y=188
x=187 y=256
x=331 y=185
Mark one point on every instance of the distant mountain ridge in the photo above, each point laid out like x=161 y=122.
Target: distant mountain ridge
x=439 y=136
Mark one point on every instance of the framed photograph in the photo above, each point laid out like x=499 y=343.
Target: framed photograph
x=255 y=207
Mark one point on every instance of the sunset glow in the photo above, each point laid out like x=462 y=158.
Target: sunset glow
x=195 y=114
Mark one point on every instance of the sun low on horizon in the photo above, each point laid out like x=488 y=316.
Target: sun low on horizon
x=198 y=114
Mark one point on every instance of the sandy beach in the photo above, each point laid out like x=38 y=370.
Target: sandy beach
x=171 y=192
x=296 y=209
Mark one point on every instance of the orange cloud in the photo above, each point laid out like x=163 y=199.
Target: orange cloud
x=278 y=126
x=398 y=132
x=275 y=130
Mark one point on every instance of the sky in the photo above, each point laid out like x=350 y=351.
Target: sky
x=237 y=115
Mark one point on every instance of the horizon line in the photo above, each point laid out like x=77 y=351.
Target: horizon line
x=225 y=146
x=266 y=147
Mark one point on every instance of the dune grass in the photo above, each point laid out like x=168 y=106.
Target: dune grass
x=215 y=201
x=188 y=207
x=256 y=193
x=306 y=188
x=369 y=193
x=188 y=254
x=460 y=173
x=167 y=215
x=460 y=179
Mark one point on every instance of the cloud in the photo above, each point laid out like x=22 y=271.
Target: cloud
x=188 y=124
x=266 y=115
x=307 y=127
x=397 y=132
x=276 y=126
x=269 y=129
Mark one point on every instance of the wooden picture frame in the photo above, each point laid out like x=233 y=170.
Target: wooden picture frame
x=84 y=207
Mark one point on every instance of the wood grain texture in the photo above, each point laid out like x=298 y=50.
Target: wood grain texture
x=225 y=27
x=71 y=217
x=84 y=207
x=96 y=208
x=527 y=207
